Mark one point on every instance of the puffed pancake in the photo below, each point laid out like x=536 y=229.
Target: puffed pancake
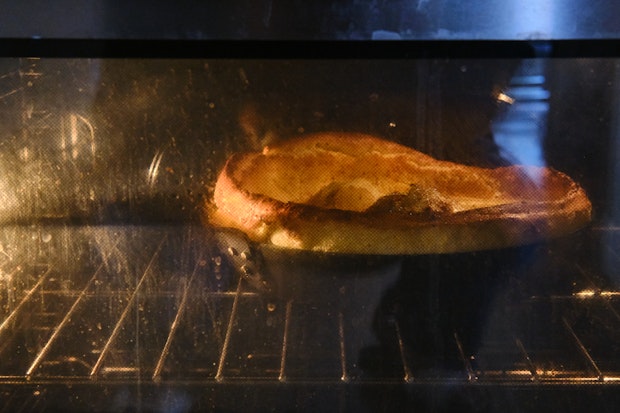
x=358 y=194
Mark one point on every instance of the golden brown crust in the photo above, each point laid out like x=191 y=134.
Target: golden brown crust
x=353 y=193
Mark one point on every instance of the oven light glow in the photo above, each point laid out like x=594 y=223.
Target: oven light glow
x=596 y=293
x=153 y=170
x=502 y=97
x=77 y=137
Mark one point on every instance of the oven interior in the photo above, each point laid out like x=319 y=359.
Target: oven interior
x=115 y=295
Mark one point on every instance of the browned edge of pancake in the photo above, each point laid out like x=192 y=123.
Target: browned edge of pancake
x=302 y=226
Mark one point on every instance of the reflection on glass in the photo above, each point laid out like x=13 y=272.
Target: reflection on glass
x=520 y=131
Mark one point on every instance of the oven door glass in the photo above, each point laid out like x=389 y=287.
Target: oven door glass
x=117 y=290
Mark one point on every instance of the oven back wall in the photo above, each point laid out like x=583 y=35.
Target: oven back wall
x=102 y=139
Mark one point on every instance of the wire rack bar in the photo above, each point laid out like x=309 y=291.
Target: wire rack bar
x=584 y=351
x=343 y=352
x=175 y=325
x=287 y=326
x=219 y=375
x=407 y=374
x=119 y=324
x=11 y=317
x=67 y=318
x=528 y=361
x=471 y=376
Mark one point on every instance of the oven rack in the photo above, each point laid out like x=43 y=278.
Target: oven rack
x=191 y=323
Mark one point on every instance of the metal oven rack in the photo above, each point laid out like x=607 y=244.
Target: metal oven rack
x=150 y=309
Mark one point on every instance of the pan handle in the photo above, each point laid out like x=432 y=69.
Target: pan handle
x=245 y=257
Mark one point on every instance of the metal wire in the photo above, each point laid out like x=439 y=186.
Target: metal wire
x=119 y=324
x=527 y=368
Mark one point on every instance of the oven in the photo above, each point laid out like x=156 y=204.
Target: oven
x=117 y=292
